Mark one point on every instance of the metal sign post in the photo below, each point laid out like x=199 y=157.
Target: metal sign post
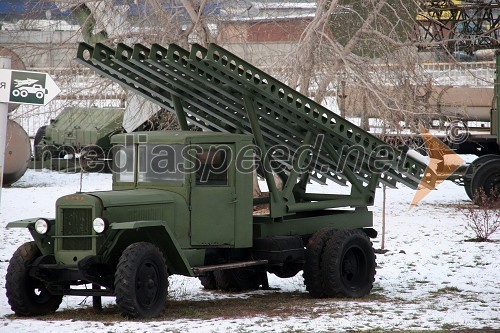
x=5 y=63
x=20 y=87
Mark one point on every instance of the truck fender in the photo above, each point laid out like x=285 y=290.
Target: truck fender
x=159 y=233
x=370 y=232
x=27 y=222
x=44 y=242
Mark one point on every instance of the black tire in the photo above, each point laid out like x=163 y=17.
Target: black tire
x=27 y=295
x=487 y=178
x=469 y=174
x=208 y=281
x=348 y=264
x=238 y=279
x=141 y=281
x=468 y=181
x=312 y=268
x=37 y=143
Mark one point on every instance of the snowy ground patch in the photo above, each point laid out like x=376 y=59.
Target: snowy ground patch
x=431 y=277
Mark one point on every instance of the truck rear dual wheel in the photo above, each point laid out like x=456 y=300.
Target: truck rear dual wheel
x=141 y=281
x=348 y=264
x=339 y=263
x=27 y=295
x=312 y=268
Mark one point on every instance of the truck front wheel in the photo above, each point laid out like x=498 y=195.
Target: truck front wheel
x=141 y=281
x=27 y=295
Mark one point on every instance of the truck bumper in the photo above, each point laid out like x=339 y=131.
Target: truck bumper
x=60 y=277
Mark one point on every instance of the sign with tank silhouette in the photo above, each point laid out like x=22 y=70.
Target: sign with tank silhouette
x=22 y=87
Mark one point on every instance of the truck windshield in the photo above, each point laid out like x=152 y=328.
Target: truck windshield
x=155 y=163
x=160 y=163
x=123 y=163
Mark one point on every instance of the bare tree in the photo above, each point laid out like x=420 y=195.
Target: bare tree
x=364 y=54
x=148 y=22
x=362 y=47
x=483 y=214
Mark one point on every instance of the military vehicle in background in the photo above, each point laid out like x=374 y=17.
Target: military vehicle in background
x=484 y=172
x=77 y=137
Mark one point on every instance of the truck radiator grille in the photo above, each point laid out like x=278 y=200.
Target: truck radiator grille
x=77 y=221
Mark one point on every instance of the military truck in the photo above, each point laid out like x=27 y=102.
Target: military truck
x=77 y=132
x=484 y=172
x=181 y=201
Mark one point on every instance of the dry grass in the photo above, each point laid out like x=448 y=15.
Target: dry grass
x=271 y=304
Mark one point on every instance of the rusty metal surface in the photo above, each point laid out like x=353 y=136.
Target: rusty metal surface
x=17 y=153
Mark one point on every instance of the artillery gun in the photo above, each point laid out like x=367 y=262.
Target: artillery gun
x=181 y=201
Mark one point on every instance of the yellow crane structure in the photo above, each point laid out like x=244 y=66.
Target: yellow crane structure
x=458 y=25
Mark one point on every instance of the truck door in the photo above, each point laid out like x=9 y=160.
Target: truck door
x=213 y=196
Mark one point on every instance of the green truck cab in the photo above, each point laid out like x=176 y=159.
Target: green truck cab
x=183 y=192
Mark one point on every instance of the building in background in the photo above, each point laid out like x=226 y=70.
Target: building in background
x=259 y=31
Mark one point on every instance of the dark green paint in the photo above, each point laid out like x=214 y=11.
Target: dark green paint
x=81 y=127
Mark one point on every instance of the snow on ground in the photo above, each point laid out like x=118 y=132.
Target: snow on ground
x=431 y=278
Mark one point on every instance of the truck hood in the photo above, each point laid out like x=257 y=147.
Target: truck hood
x=133 y=197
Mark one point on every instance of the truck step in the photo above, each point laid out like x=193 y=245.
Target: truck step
x=200 y=270
x=82 y=292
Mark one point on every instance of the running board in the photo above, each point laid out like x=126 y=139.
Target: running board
x=210 y=268
x=82 y=292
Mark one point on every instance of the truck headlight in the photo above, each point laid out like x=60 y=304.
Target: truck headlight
x=42 y=226
x=100 y=225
